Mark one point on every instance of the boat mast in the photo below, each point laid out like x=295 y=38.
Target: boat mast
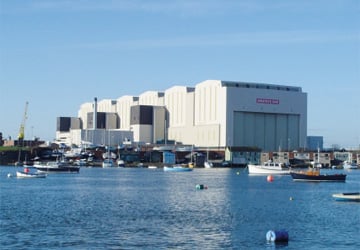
x=318 y=156
x=21 y=135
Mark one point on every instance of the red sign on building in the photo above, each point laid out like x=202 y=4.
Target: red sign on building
x=267 y=101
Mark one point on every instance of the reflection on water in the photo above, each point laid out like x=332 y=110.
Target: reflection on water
x=198 y=217
x=149 y=208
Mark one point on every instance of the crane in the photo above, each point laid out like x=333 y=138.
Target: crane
x=22 y=125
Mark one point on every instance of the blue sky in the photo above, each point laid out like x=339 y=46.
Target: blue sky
x=58 y=54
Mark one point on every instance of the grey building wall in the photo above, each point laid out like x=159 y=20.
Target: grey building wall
x=90 y=120
x=63 y=124
x=105 y=120
x=76 y=123
x=265 y=116
x=266 y=131
x=160 y=120
x=112 y=121
x=141 y=115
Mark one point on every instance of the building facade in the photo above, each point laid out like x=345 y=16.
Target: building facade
x=214 y=113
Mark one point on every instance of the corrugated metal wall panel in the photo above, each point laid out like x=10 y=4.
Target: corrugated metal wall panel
x=293 y=131
x=266 y=131
x=249 y=129
x=269 y=126
x=281 y=131
x=259 y=127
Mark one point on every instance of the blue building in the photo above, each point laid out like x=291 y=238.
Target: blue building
x=315 y=142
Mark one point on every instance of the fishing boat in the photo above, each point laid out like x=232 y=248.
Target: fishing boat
x=177 y=168
x=56 y=167
x=347 y=196
x=313 y=174
x=27 y=174
x=269 y=167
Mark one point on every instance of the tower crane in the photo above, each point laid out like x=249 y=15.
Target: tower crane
x=22 y=125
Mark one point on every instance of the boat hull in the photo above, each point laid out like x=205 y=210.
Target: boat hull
x=321 y=177
x=58 y=169
x=350 y=166
x=208 y=164
x=347 y=197
x=108 y=164
x=177 y=169
x=257 y=169
x=20 y=174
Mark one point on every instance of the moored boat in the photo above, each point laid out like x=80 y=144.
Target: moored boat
x=120 y=163
x=347 y=196
x=313 y=174
x=177 y=168
x=349 y=165
x=56 y=167
x=269 y=167
x=208 y=164
x=27 y=174
x=108 y=163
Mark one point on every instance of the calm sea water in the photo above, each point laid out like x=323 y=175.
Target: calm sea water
x=151 y=209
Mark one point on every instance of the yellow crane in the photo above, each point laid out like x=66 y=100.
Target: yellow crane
x=22 y=125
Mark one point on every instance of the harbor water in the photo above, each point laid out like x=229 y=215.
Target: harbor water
x=141 y=208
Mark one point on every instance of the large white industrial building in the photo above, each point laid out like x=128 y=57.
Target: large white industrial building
x=214 y=113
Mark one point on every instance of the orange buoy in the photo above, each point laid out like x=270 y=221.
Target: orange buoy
x=270 y=178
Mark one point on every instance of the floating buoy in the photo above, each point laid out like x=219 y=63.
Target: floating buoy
x=270 y=178
x=9 y=175
x=277 y=236
x=201 y=186
x=291 y=198
x=237 y=172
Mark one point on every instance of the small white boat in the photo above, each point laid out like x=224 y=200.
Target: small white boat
x=108 y=163
x=27 y=174
x=269 y=167
x=109 y=158
x=80 y=163
x=347 y=196
x=120 y=163
x=349 y=165
x=208 y=164
x=177 y=168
